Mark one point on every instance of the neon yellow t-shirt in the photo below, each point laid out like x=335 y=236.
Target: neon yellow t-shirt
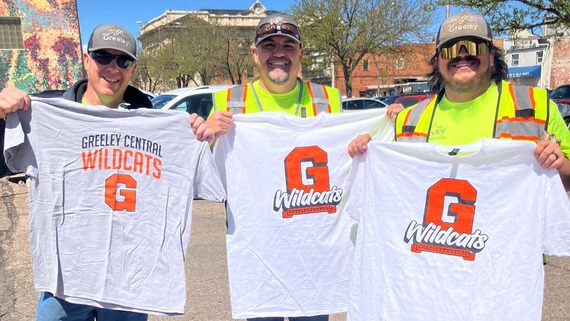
x=279 y=102
x=464 y=122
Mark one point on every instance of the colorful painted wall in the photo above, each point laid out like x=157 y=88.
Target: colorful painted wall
x=52 y=55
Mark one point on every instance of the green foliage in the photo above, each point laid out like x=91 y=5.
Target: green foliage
x=509 y=16
x=350 y=29
x=194 y=51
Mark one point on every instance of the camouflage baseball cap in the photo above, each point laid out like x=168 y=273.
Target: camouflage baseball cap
x=111 y=36
x=277 y=24
x=462 y=25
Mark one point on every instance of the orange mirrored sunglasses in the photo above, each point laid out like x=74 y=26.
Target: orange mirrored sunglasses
x=474 y=48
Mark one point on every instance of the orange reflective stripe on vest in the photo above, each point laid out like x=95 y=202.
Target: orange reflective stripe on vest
x=319 y=98
x=409 y=132
x=236 y=99
x=524 y=124
x=237 y=96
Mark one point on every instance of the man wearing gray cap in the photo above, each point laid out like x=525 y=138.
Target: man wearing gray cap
x=110 y=62
x=473 y=100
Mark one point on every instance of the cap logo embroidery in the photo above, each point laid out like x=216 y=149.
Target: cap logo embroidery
x=115 y=35
x=463 y=23
x=277 y=21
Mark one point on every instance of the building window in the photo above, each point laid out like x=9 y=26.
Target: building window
x=515 y=59
x=539 y=56
x=365 y=65
x=400 y=63
x=11 y=33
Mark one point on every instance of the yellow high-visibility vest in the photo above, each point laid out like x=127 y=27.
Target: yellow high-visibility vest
x=522 y=114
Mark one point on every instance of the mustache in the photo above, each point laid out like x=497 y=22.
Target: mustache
x=272 y=60
x=465 y=58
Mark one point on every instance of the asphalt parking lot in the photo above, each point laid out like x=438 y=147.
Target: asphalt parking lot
x=207 y=284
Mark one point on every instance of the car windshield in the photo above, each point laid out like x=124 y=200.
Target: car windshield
x=159 y=101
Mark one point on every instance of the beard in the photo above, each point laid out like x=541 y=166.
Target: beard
x=278 y=76
x=476 y=84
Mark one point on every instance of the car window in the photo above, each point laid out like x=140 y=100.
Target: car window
x=352 y=105
x=159 y=101
x=373 y=104
x=200 y=104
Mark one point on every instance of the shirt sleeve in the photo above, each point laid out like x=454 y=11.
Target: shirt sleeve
x=208 y=184
x=355 y=188
x=18 y=151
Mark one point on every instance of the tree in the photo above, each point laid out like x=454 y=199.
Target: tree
x=514 y=15
x=236 y=58
x=350 y=29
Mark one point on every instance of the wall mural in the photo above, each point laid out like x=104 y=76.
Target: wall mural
x=52 y=55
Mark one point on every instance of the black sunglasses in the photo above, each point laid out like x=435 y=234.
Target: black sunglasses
x=105 y=58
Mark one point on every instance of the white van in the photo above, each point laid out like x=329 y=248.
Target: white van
x=189 y=99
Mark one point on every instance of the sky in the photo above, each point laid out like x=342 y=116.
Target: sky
x=126 y=13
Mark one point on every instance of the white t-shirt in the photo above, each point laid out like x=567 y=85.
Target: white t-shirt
x=289 y=243
x=110 y=201
x=454 y=238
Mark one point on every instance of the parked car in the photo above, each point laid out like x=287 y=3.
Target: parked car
x=561 y=96
x=189 y=99
x=361 y=103
x=411 y=99
x=148 y=94
x=388 y=100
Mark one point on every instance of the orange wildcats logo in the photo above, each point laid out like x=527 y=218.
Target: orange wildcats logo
x=448 y=227
x=308 y=184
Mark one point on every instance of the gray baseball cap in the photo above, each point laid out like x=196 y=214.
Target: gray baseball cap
x=277 y=24
x=111 y=36
x=462 y=25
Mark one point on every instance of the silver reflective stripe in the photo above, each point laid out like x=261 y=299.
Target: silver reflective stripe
x=413 y=119
x=412 y=139
x=514 y=128
x=522 y=97
x=319 y=98
x=517 y=129
x=236 y=103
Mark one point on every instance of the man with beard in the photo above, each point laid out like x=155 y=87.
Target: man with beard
x=474 y=101
x=277 y=54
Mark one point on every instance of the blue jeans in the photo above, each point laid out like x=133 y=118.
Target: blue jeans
x=313 y=318
x=51 y=308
